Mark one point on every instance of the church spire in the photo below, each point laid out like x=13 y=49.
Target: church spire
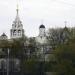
x=17 y=30
x=65 y=23
x=17 y=9
x=17 y=14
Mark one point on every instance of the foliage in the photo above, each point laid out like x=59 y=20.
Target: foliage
x=32 y=67
x=58 y=36
x=65 y=58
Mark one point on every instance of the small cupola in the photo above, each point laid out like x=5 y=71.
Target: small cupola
x=42 y=26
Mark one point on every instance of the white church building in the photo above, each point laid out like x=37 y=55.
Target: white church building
x=17 y=31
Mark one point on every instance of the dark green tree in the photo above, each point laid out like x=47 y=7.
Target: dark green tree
x=65 y=58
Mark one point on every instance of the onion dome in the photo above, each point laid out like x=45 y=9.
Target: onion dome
x=3 y=34
x=3 y=37
x=42 y=26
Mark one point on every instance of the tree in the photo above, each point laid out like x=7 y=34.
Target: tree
x=32 y=44
x=54 y=37
x=4 y=45
x=65 y=58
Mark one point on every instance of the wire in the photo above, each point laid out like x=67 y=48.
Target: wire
x=59 y=1
x=64 y=2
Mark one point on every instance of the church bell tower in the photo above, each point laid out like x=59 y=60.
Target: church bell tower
x=17 y=30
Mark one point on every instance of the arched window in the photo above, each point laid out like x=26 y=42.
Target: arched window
x=14 y=32
x=19 y=32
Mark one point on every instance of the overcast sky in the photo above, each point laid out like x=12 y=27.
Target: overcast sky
x=53 y=13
